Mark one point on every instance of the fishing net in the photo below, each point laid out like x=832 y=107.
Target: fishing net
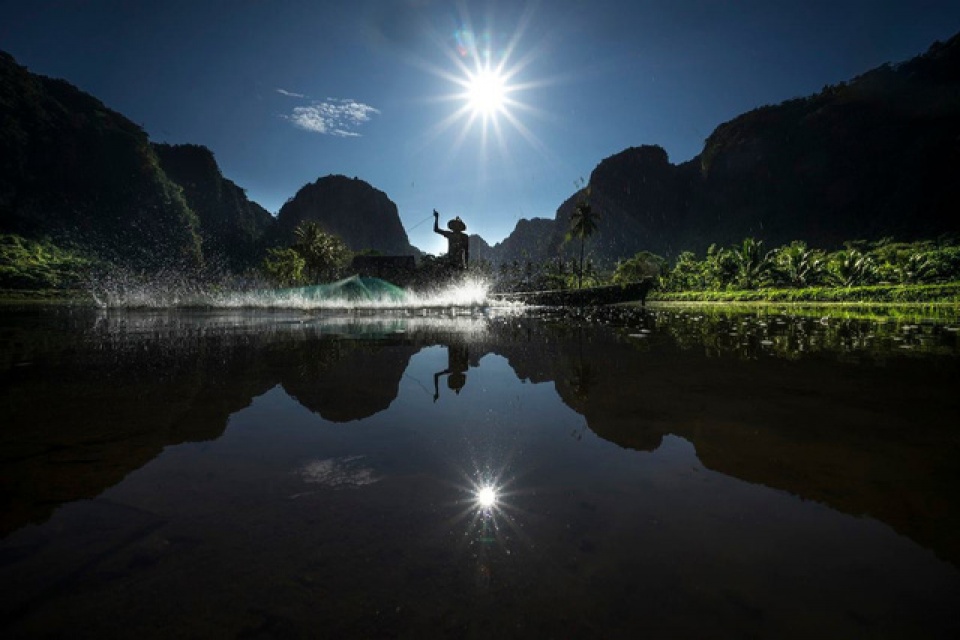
x=353 y=289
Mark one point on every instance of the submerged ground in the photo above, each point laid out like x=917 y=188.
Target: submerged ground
x=623 y=472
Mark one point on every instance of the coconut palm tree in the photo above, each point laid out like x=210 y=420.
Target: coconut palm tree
x=583 y=223
x=325 y=254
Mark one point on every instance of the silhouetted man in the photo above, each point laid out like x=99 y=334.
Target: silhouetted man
x=458 y=361
x=458 y=244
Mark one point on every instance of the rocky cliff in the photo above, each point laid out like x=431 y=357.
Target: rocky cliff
x=362 y=216
x=82 y=174
x=874 y=157
x=231 y=225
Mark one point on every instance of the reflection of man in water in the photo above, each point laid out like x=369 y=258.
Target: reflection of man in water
x=458 y=244
x=458 y=357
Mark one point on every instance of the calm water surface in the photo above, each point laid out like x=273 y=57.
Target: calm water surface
x=668 y=473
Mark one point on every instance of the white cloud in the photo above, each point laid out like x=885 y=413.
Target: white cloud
x=290 y=94
x=334 y=117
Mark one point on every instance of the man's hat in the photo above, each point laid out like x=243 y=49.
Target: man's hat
x=457 y=224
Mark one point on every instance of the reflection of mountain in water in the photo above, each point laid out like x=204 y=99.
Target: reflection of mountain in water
x=852 y=436
x=823 y=426
x=344 y=380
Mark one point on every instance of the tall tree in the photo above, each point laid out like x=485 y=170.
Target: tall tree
x=583 y=223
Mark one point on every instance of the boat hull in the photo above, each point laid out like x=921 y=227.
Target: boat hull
x=590 y=296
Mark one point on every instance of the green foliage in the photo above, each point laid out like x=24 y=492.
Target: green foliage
x=945 y=262
x=796 y=272
x=325 y=254
x=583 y=223
x=557 y=274
x=687 y=274
x=917 y=268
x=77 y=173
x=554 y=274
x=851 y=268
x=795 y=265
x=285 y=267
x=946 y=293
x=720 y=268
x=640 y=267
x=924 y=272
x=752 y=265
x=36 y=265
x=316 y=256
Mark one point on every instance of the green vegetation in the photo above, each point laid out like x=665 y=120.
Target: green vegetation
x=284 y=266
x=926 y=293
x=641 y=266
x=316 y=256
x=40 y=265
x=583 y=223
x=528 y=275
x=883 y=271
x=75 y=173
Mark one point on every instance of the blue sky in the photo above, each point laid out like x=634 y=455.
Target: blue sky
x=284 y=92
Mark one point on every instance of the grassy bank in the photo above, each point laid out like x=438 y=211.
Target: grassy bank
x=948 y=293
x=29 y=296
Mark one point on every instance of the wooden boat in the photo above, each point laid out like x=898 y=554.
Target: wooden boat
x=590 y=296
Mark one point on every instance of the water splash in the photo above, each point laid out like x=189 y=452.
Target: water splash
x=350 y=293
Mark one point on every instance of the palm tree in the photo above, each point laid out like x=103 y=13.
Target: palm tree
x=800 y=266
x=915 y=269
x=324 y=253
x=719 y=267
x=851 y=268
x=583 y=222
x=752 y=264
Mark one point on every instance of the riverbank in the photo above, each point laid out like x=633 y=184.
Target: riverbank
x=946 y=293
x=40 y=296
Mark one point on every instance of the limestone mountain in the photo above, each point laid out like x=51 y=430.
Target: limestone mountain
x=77 y=172
x=480 y=249
x=362 y=216
x=877 y=156
x=530 y=240
x=231 y=226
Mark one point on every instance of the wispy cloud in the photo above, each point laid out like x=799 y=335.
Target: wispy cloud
x=333 y=117
x=290 y=94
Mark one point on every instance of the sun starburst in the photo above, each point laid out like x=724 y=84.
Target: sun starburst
x=486 y=92
x=487 y=497
x=488 y=89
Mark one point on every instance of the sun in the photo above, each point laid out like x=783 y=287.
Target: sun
x=487 y=497
x=493 y=78
x=486 y=92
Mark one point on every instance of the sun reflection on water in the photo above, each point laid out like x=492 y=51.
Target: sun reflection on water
x=487 y=497
x=486 y=517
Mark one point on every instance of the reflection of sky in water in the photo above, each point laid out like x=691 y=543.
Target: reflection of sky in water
x=596 y=521
x=372 y=526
